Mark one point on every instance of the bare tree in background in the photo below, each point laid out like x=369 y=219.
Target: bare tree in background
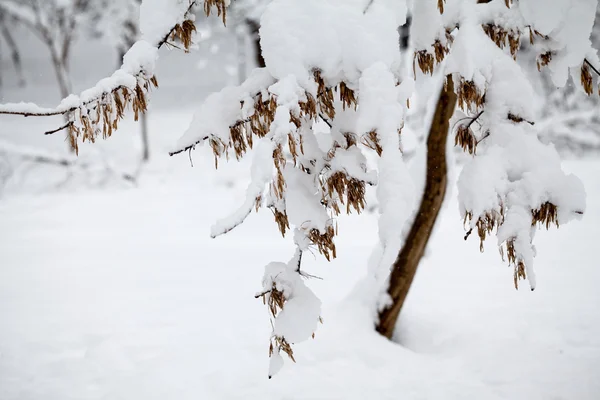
x=570 y=119
x=245 y=17
x=55 y=23
x=6 y=26
x=118 y=20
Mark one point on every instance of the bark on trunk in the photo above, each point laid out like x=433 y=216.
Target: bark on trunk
x=405 y=266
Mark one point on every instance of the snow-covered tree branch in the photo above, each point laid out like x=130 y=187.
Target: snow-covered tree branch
x=97 y=110
x=334 y=94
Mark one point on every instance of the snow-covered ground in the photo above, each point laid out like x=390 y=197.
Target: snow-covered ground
x=117 y=292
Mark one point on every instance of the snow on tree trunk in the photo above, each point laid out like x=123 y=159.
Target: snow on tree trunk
x=405 y=266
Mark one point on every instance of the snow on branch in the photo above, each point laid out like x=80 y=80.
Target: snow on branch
x=306 y=177
x=98 y=110
x=514 y=182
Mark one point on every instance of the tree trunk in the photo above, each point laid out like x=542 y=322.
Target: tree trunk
x=61 y=71
x=145 y=138
x=405 y=266
x=14 y=52
x=62 y=78
x=254 y=36
x=240 y=40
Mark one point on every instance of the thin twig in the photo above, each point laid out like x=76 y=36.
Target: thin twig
x=368 y=6
x=591 y=66
x=475 y=119
x=485 y=136
x=190 y=155
x=324 y=118
x=256 y=296
x=166 y=37
x=52 y=112
x=65 y=126
x=188 y=148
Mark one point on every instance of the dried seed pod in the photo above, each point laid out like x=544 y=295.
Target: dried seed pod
x=324 y=242
x=281 y=219
x=469 y=96
x=586 y=79
x=340 y=185
x=324 y=95
x=544 y=59
x=238 y=140
x=371 y=140
x=425 y=61
x=308 y=108
x=221 y=7
x=184 y=32
x=347 y=96
x=465 y=139
x=546 y=215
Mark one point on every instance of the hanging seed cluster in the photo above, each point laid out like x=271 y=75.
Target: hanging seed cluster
x=221 y=7
x=587 y=81
x=339 y=186
x=486 y=225
x=275 y=300
x=503 y=37
x=440 y=5
x=102 y=117
x=324 y=242
x=470 y=97
x=465 y=138
x=184 y=33
x=336 y=188
x=324 y=96
x=545 y=58
x=489 y=223
x=427 y=61
x=514 y=261
x=546 y=215
x=371 y=140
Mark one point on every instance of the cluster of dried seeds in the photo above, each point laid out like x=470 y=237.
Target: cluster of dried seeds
x=324 y=242
x=184 y=33
x=470 y=97
x=546 y=215
x=586 y=79
x=544 y=59
x=104 y=115
x=465 y=138
x=503 y=37
x=427 y=61
x=221 y=7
